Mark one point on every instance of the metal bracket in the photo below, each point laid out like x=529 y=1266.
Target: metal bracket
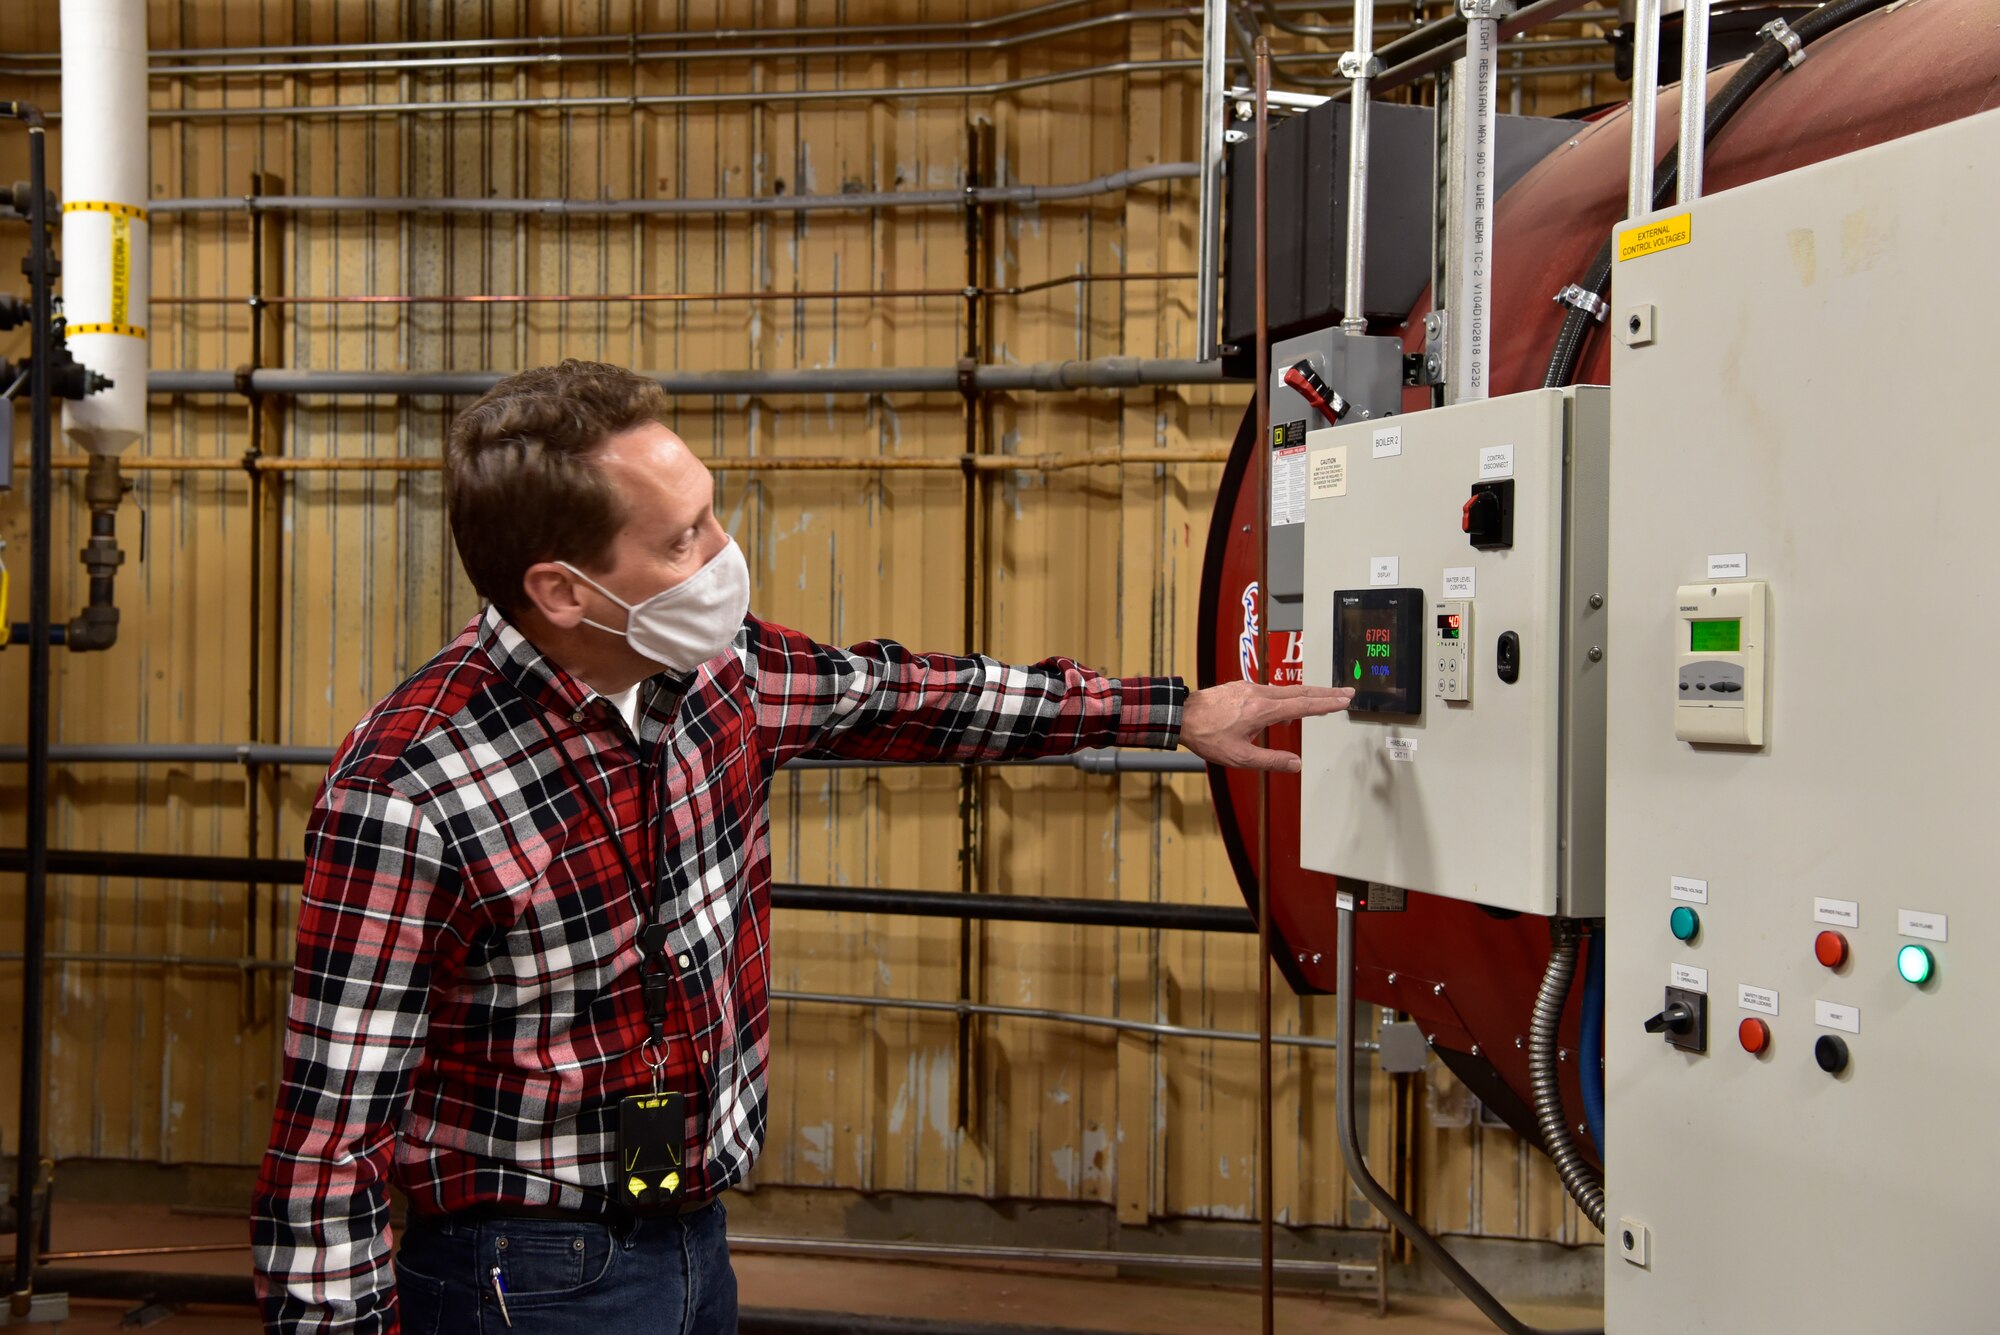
x=1486 y=9
x=1352 y=65
x=1781 y=32
x=1580 y=298
x=1433 y=362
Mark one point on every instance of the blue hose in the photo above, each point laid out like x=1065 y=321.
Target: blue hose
x=1591 y=1040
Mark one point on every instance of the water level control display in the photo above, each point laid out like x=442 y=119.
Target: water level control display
x=1719 y=663
x=1378 y=648
x=1451 y=649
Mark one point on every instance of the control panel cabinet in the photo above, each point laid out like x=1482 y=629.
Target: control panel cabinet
x=1455 y=578
x=1797 y=844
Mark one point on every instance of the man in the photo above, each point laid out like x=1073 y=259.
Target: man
x=532 y=985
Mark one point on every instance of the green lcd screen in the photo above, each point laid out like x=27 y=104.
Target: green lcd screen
x=1715 y=637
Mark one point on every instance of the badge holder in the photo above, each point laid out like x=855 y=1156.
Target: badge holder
x=652 y=1128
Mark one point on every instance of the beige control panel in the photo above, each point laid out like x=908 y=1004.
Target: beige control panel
x=1451 y=649
x=1719 y=662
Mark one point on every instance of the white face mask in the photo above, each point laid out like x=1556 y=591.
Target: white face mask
x=685 y=626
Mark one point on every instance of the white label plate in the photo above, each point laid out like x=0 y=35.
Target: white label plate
x=1833 y=1015
x=1837 y=912
x=1384 y=570
x=1388 y=441
x=1288 y=485
x=1729 y=565
x=1495 y=462
x=1401 y=748
x=1688 y=977
x=1459 y=581
x=1344 y=901
x=1763 y=1000
x=1327 y=475
x=1694 y=891
x=1929 y=926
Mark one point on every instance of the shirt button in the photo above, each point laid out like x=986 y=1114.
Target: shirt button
x=710 y=1156
x=704 y=1059
x=684 y=961
x=576 y=716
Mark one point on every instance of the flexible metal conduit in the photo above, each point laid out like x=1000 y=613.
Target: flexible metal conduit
x=1357 y=1162
x=1111 y=183
x=1583 y=1185
x=1100 y=373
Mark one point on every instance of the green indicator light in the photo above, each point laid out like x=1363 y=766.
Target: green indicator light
x=1915 y=964
x=1357 y=669
x=1684 y=923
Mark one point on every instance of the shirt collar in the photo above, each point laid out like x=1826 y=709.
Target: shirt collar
x=539 y=678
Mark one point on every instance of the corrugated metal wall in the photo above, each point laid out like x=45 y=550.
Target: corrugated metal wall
x=359 y=585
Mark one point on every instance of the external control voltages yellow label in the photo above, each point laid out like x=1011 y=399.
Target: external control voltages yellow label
x=1653 y=237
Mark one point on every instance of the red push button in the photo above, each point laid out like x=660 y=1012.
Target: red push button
x=1831 y=949
x=1754 y=1035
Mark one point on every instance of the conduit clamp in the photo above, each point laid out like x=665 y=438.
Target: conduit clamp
x=1580 y=298
x=1781 y=32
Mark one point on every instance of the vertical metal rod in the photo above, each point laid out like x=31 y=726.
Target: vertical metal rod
x=253 y=772
x=1266 y=1210
x=968 y=776
x=34 y=925
x=1694 y=100
x=1359 y=66
x=1470 y=307
x=1645 y=106
x=1208 y=241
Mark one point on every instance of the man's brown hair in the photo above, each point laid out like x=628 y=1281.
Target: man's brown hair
x=521 y=484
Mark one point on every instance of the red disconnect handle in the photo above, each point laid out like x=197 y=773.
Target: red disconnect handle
x=1465 y=517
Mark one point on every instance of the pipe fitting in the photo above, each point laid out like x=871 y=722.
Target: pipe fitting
x=95 y=628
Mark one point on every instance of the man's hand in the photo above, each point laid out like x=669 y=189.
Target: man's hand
x=1221 y=723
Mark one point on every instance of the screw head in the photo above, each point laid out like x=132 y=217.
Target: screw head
x=1438 y=990
x=1392 y=979
x=1596 y=653
x=1596 y=601
x=1475 y=1049
x=1315 y=957
x=1518 y=1043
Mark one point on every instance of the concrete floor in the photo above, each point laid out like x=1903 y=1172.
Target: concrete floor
x=1054 y=1298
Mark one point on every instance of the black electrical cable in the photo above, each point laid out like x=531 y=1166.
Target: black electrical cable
x=1757 y=68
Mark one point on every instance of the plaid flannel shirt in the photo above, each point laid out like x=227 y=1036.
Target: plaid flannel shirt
x=465 y=1009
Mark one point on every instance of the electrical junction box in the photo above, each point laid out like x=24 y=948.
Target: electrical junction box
x=1473 y=763
x=1798 y=432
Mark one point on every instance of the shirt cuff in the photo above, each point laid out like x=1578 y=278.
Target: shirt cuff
x=1149 y=711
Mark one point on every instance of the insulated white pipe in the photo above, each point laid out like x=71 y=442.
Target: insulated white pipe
x=106 y=277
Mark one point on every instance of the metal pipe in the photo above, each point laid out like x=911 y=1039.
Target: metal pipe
x=1110 y=183
x=1437 y=45
x=933 y=1251
x=1359 y=66
x=1208 y=225
x=772 y=463
x=1469 y=309
x=1356 y=1159
x=1694 y=101
x=41 y=271
x=1645 y=106
x=1098 y=373
x=1266 y=1213
x=1106 y=761
x=256 y=303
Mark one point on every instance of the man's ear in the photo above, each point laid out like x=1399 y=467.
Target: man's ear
x=555 y=593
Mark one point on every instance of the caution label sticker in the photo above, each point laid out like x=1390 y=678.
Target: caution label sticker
x=1654 y=237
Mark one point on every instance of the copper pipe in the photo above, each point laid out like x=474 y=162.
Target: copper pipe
x=1266 y=1207
x=617 y=298
x=108 y=1252
x=985 y=463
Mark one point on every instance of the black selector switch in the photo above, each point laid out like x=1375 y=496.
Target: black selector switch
x=1831 y=1053
x=1488 y=517
x=1684 y=1021
x=1507 y=657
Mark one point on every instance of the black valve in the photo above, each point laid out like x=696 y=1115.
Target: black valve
x=14 y=312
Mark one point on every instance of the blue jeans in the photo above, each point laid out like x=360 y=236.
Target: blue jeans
x=668 y=1276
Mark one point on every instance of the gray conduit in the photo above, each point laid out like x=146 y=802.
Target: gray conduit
x=1101 y=373
x=1584 y=1186
x=618 y=208
x=1357 y=1162
x=1120 y=761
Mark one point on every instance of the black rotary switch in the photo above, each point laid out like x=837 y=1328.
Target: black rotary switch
x=1831 y=1053
x=1675 y=1019
x=1487 y=517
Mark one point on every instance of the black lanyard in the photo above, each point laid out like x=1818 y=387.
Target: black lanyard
x=654 y=979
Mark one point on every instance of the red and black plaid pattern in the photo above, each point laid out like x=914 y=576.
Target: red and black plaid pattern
x=466 y=1011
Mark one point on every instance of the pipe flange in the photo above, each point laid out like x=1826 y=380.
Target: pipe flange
x=1581 y=298
x=1781 y=32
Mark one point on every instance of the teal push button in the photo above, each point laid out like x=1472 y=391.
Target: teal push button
x=1684 y=923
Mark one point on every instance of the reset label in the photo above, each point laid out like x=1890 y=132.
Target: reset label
x=1833 y=1015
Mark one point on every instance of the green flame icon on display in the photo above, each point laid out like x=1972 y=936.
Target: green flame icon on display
x=1357 y=669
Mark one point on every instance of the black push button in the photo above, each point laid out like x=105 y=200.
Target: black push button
x=1507 y=657
x=1831 y=1053
x=1701 y=686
